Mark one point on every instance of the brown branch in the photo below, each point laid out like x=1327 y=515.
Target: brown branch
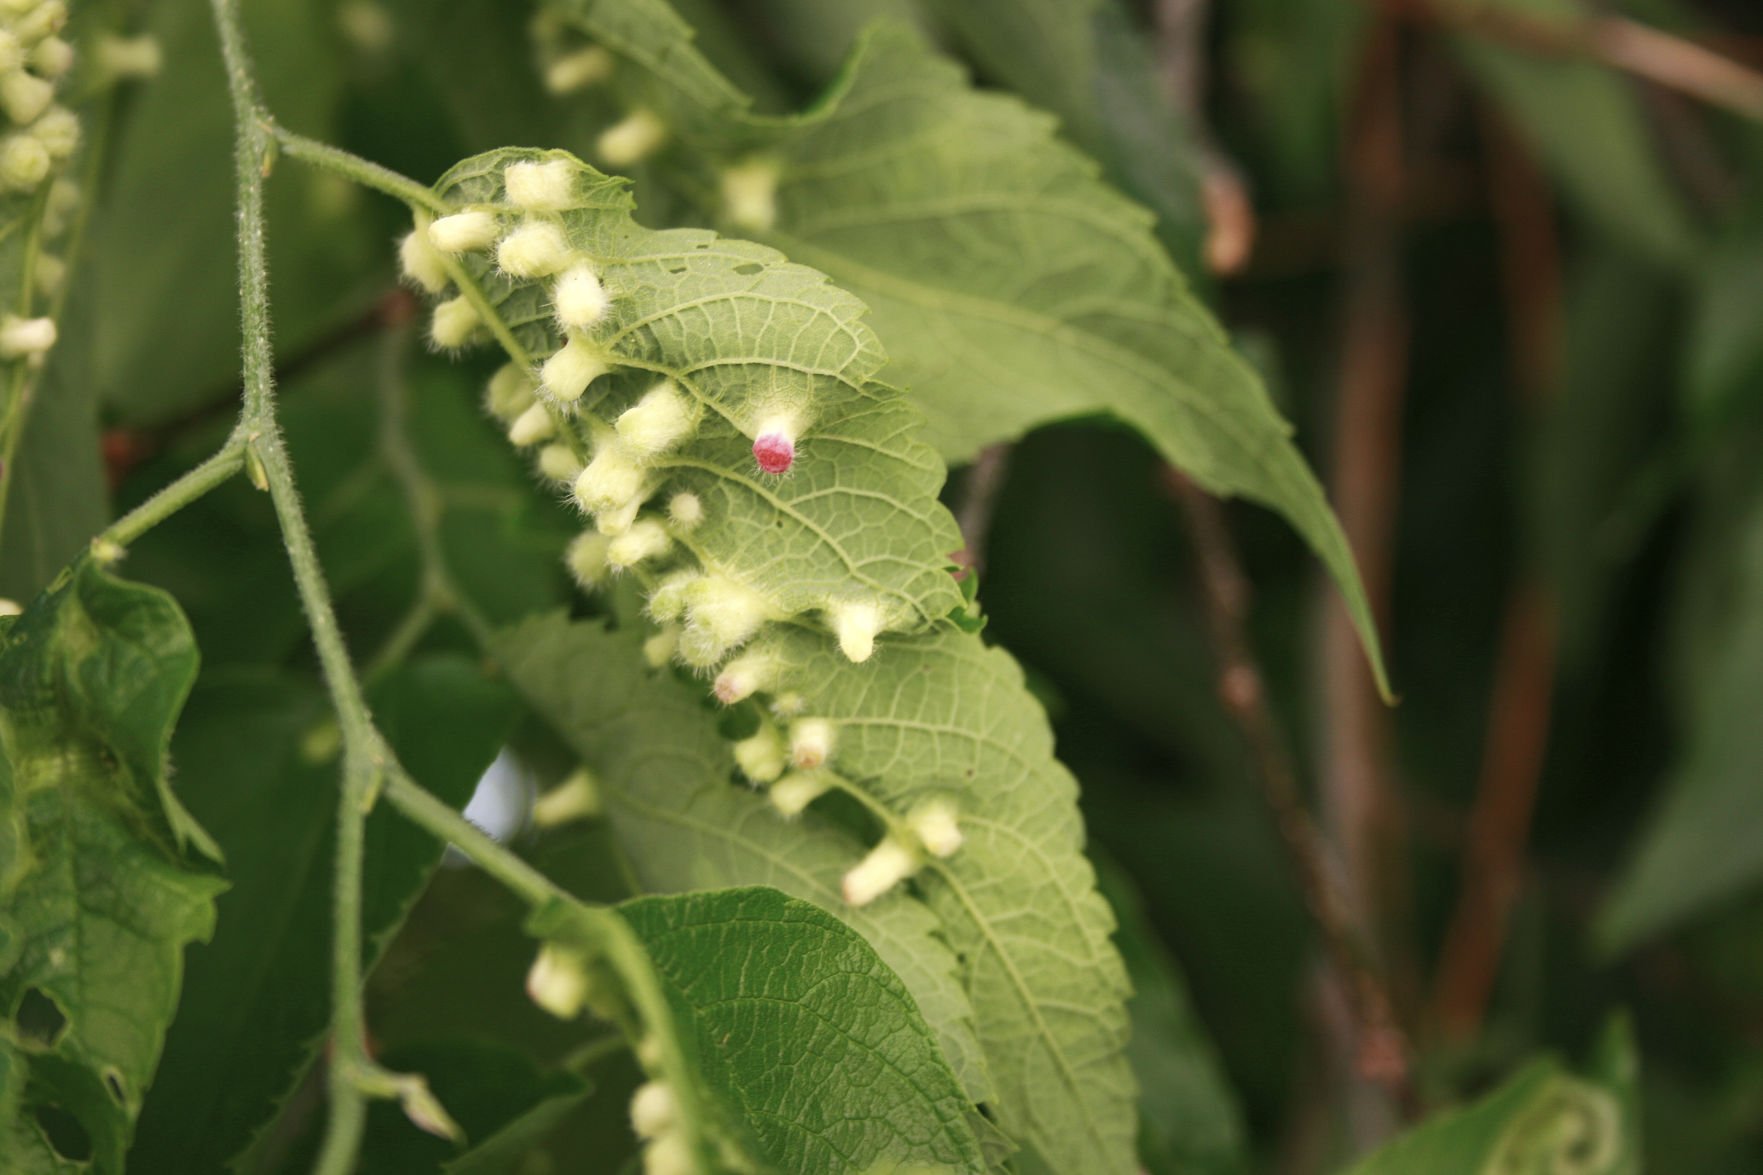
x=979 y=501
x=1382 y=1053
x=1359 y=801
x=1615 y=41
x=1519 y=708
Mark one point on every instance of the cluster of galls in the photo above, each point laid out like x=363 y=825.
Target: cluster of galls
x=705 y=619
x=41 y=135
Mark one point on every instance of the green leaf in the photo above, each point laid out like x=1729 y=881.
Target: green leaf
x=101 y=881
x=665 y=771
x=1588 y=128
x=1088 y=63
x=1542 y=1120
x=1700 y=849
x=258 y=1000
x=938 y=715
x=748 y=337
x=803 y=1034
x=1011 y=287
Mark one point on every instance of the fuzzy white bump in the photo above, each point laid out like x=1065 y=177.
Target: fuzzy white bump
x=579 y=70
x=579 y=298
x=633 y=139
x=421 y=263
x=610 y=480
x=20 y=337
x=887 y=865
x=792 y=794
x=856 y=624
x=935 y=823
x=586 y=558
x=685 y=510
x=646 y=539
x=534 y=248
x=749 y=195
x=571 y=368
x=811 y=742
x=761 y=757
x=532 y=426
x=660 y=420
x=558 y=982
x=540 y=187
x=463 y=232
x=654 y=1109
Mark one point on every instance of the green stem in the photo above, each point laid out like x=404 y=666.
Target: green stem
x=362 y=750
x=363 y=171
x=494 y=858
x=215 y=471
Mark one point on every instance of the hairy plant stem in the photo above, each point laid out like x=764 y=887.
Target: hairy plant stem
x=215 y=471
x=368 y=764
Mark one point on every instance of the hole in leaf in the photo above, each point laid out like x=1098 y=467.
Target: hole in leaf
x=113 y=1082
x=749 y=269
x=40 y=1019
x=64 y=1133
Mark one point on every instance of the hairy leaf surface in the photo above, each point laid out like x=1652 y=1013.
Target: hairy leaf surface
x=748 y=336
x=938 y=715
x=101 y=879
x=1010 y=285
x=803 y=1032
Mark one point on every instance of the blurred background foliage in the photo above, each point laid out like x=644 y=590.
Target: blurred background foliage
x=1512 y=297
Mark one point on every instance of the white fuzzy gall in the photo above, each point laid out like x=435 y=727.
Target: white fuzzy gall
x=685 y=510
x=888 y=864
x=558 y=982
x=59 y=132
x=421 y=263
x=671 y=1154
x=24 y=96
x=571 y=368
x=745 y=676
x=533 y=248
x=761 y=757
x=51 y=274
x=576 y=798
x=557 y=463
x=654 y=1109
x=610 y=480
x=789 y=705
x=722 y=614
x=509 y=392
x=24 y=163
x=577 y=71
x=811 y=743
x=579 y=298
x=935 y=823
x=22 y=337
x=586 y=558
x=646 y=539
x=856 y=624
x=792 y=794
x=463 y=232
x=621 y=517
x=749 y=195
x=532 y=426
x=540 y=187
x=656 y=423
x=52 y=57
x=633 y=139
x=667 y=602
x=11 y=52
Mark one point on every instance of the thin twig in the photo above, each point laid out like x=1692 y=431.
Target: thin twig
x=979 y=501
x=1615 y=41
x=1382 y=1054
x=364 y=753
x=1519 y=706
x=1358 y=794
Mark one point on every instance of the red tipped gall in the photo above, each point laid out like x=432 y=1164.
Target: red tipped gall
x=775 y=451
